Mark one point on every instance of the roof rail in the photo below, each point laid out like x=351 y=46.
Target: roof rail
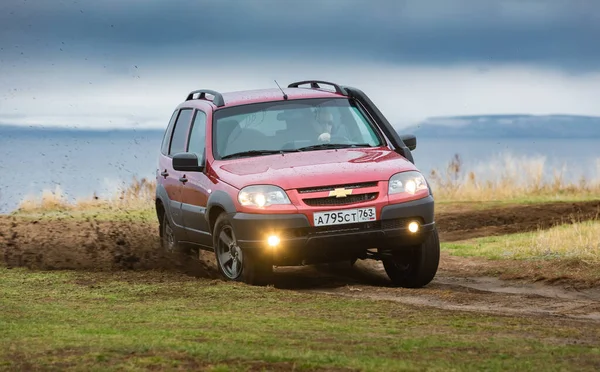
x=315 y=85
x=217 y=100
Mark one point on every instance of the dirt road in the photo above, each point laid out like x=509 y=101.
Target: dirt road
x=479 y=294
x=460 y=284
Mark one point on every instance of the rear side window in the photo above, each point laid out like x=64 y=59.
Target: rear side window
x=164 y=148
x=198 y=135
x=182 y=125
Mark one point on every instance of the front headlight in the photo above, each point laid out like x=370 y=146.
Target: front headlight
x=407 y=182
x=262 y=196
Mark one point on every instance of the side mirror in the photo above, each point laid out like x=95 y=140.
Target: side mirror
x=409 y=140
x=187 y=162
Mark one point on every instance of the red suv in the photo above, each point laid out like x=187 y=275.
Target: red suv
x=294 y=176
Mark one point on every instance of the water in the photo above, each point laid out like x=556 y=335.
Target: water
x=84 y=163
x=80 y=164
x=573 y=157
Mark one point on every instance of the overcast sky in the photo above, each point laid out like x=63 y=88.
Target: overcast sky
x=129 y=62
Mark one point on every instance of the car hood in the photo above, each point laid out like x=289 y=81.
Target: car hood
x=313 y=168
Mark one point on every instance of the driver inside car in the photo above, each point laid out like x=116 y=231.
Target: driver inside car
x=323 y=125
x=326 y=128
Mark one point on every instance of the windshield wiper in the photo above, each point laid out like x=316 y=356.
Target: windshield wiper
x=313 y=147
x=256 y=152
x=334 y=146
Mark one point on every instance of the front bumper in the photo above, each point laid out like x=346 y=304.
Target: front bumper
x=299 y=239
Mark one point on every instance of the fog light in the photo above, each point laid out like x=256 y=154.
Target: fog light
x=413 y=227
x=273 y=240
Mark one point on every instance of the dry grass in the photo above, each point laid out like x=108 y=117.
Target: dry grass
x=510 y=178
x=513 y=179
x=577 y=241
x=138 y=195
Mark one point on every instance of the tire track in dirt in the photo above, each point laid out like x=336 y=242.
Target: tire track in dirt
x=367 y=280
x=459 y=225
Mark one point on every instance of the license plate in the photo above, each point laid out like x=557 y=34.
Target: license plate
x=344 y=216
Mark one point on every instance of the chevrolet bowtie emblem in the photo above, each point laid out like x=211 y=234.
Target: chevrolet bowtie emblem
x=340 y=193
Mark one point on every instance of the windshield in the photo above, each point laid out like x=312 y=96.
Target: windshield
x=295 y=125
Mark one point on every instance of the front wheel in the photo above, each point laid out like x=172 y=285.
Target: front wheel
x=236 y=264
x=416 y=268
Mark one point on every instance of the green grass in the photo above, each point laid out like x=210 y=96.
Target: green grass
x=138 y=320
x=571 y=241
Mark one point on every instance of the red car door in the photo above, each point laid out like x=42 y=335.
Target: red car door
x=196 y=189
x=172 y=183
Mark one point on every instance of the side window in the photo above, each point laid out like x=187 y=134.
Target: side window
x=198 y=135
x=164 y=148
x=182 y=125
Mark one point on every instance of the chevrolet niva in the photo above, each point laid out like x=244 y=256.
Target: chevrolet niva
x=294 y=176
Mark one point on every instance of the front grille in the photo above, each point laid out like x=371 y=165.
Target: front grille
x=332 y=200
x=350 y=227
x=307 y=190
x=319 y=230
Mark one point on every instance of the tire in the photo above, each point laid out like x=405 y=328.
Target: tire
x=247 y=266
x=418 y=268
x=168 y=240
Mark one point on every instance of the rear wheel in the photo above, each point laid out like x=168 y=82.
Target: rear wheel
x=236 y=264
x=168 y=241
x=416 y=268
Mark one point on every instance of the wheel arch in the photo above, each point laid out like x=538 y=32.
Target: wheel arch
x=218 y=202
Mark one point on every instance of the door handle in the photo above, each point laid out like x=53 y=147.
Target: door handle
x=164 y=173
x=183 y=179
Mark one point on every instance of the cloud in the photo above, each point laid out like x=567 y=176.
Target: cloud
x=128 y=63
x=146 y=96
x=556 y=34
